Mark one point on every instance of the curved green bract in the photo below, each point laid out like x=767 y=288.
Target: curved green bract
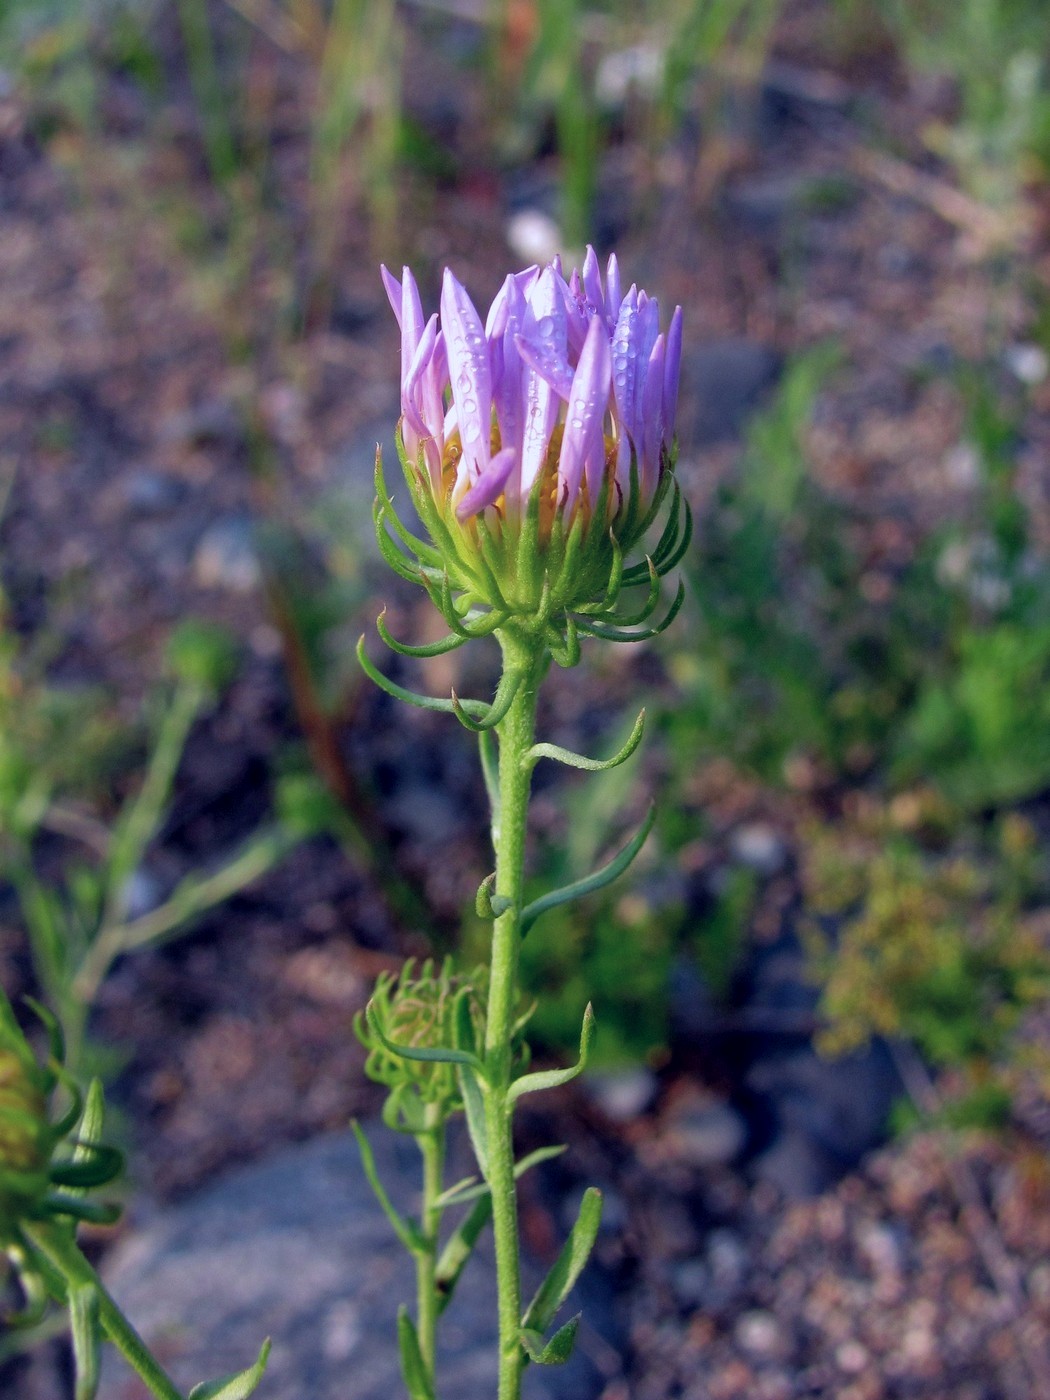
x=440 y=1055
x=439 y=648
x=411 y=697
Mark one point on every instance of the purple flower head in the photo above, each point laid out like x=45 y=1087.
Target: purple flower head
x=567 y=387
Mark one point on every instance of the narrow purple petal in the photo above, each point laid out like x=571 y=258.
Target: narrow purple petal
x=469 y=369
x=584 y=423
x=576 y=317
x=672 y=370
x=507 y=391
x=393 y=291
x=625 y=362
x=612 y=291
x=490 y=484
x=592 y=281
x=411 y=404
x=548 y=364
x=646 y=329
x=545 y=326
x=652 y=415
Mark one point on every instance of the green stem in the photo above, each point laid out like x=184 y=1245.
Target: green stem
x=60 y=1251
x=516 y=732
x=432 y=1146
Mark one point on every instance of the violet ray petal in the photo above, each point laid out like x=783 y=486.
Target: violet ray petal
x=469 y=368
x=586 y=409
x=411 y=320
x=646 y=329
x=612 y=291
x=652 y=414
x=543 y=324
x=413 y=397
x=672 y=370
x=575 y=314
x=508 y=394
x=393 y=291
x=489 y=486
x=592 y=282
x=548 y=364
x=625 y=362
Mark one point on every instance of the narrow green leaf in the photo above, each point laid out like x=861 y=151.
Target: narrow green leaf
x=237 y=1387
x=418 y=1382
x=459 y=1248
x=553 y=1078
x=555 y=1352
x=566 y=1269
x=474 y=1107
x=469 y=1189
x=405 y=1230
x=592 y=765
x=443 y=1055
x=84 y=1328
x=598 y=880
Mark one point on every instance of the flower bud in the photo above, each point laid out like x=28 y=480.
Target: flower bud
x=433 y=1009
x=539 y=444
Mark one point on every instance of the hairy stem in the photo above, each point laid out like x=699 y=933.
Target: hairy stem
x=515 y=732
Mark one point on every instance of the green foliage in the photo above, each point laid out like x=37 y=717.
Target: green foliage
x=998 y=54
x=937 y=670
x=79 y=920
x=931 y=950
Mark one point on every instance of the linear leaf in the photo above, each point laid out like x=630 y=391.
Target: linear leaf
x=459 y=1248
x=566 y=1269
x=405 y=1230
x=469 y=1189
x=237 y=1387
x=413 y=1368
x=579 y=760
x=589 y=883
x=553 y=1078
x=474 y=1107
x=555 y=1352
x=84 y=1327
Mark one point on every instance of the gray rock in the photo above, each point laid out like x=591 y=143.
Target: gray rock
x=760 y=847
x=296 y=1248
x=621 y=1094
x=797 y=1166
x=148 y=492
x=723 y=383
x=226 y=557
x=841 y=1104
x=763 y=202
x=707 y=1134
